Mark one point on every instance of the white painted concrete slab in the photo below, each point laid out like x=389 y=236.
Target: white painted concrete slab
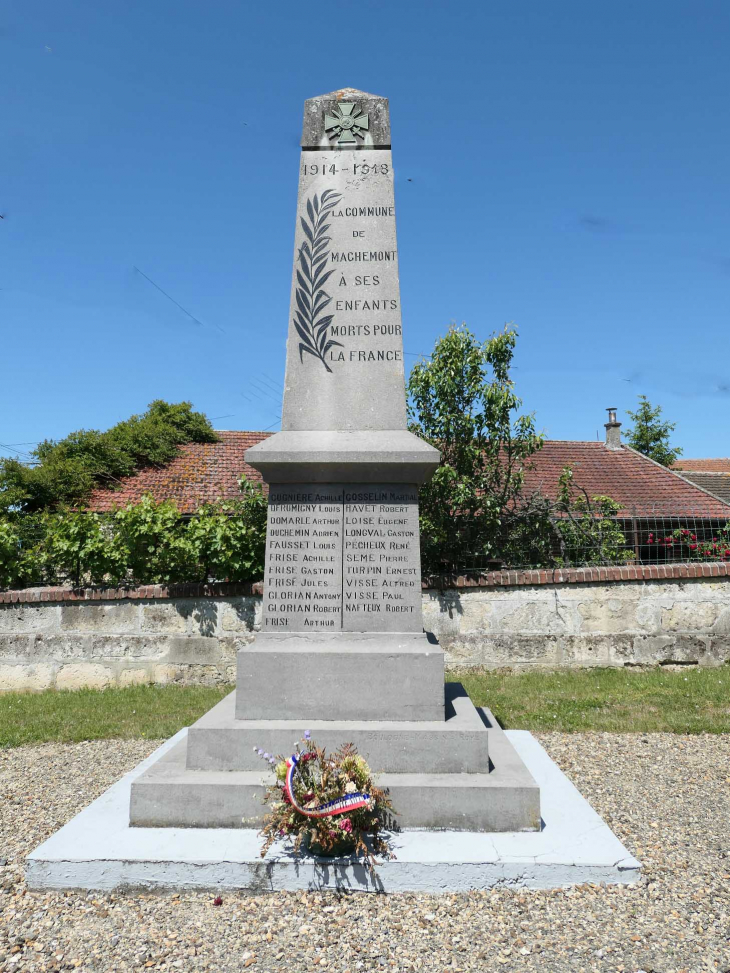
x=99 y=850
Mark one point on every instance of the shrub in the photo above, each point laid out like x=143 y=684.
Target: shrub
x=149 y=540
x=587 y=527
x=78 y=546
x=144 y=543
x=64 y=472
x=228 y=540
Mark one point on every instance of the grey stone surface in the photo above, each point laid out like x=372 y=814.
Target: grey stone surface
x=458 y=744
x=317 y=110
x=342 y=557
x=111 y=617
x=182 y=640
x=506 y=798
x=340 y=676
x=345 y=366
x=16 y=619
x=381 y=561
x=99 y=850
x=345 y=370
x=303 y=576
x=347 y=456
x=601 y=624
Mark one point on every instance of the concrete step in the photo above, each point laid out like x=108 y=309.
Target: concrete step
x=346 y=675
x=506 y=799
x=458 y=744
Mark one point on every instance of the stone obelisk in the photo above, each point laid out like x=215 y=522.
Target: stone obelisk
x=342 y=554
x=342 y=648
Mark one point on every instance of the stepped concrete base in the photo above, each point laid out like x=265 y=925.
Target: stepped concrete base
x=347 y=675
x=99 y=850
x=458 y=744
x=506 y=798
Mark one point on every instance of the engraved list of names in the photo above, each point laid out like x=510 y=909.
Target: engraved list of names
x=342 y=558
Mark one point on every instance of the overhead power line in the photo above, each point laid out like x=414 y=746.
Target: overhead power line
x=176 y=303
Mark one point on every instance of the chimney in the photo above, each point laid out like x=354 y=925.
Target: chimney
x=613 y=430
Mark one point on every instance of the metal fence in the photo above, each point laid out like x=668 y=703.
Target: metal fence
x=648 y=536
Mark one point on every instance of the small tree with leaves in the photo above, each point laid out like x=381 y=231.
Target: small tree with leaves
x=650 y=435
x=462 y=401
x=587 y=527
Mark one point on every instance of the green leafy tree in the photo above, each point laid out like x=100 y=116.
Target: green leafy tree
x=20 y=561
x=462 y=401
x=650 y=434
x=13 y=570
x=228 y=539
x=78 y=546
x=587 y=528
x=149 y=538
x=64 y=472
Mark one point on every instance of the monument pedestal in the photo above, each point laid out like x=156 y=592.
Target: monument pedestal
x=341 y=676
x=342 y=651
x=459 y=772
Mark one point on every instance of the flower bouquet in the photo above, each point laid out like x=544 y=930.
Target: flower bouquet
x=327 y=803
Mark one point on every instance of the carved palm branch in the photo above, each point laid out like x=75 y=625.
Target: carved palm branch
x=311 y=324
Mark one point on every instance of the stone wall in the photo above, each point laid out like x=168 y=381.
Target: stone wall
x=190 y=633
x=610 y=624
x=119 y=642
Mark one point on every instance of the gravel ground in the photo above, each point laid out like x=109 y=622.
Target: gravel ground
x=667 y=798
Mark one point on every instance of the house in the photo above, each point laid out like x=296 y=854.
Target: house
x=712 y=475
x=200 y=473
x=654 y=501
x=663 y=515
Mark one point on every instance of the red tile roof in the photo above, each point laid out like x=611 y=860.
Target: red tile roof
x=204 y=472
x=642 y=487
x=201 y=473
x=718 y=484
x=717 y=465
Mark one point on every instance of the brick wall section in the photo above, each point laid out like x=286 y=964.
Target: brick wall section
x=645 y=572
x=632 y=572
x=651 y=615
x=35 y=596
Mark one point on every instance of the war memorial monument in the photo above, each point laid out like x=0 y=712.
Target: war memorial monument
x=341 y=648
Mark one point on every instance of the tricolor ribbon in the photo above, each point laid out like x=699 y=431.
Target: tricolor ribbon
x=340 y=805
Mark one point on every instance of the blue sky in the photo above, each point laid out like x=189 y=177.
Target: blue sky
x=561 y=165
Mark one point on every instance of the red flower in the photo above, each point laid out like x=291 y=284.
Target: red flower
x=693 y=547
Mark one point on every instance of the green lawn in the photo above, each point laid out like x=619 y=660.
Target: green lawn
x=155 y=712
x=690 y=700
